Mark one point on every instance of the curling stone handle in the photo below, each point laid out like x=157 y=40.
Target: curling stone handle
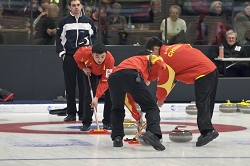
x=180 y=126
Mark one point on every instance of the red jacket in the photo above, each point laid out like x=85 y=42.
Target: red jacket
x=84 y=58
x=187 y=63
x=140 y=63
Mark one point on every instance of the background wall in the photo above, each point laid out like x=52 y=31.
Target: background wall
x=35 y=73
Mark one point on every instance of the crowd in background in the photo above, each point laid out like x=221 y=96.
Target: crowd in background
x=197 y=22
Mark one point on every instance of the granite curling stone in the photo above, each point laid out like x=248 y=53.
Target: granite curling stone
x=180 y=136
x=228 y=107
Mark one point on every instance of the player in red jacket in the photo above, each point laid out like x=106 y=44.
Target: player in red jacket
x=98 y=63
x=191 y=66
x=130 y=77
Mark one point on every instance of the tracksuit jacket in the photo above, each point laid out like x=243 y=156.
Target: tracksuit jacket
x=70 y=31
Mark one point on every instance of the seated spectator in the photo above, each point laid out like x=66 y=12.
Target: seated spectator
x=242 y=24
x=176 y=27
x=46 y=28
x=215 y=8
x=44 y=5
x=114 y=23
x=220 y=24
x=102 y=14
x=87 y=11
x=193 y=7
x=155 y=7
x=26 y=12
x=233 y=49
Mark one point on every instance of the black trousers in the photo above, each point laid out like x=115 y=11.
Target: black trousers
x=205 y=92
x=88 y=113
x=122 y=82
x=72 y=74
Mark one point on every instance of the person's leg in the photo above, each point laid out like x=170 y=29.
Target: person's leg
x=69 y=68
x=81 y=92
x=205 y=90
x=107 y=111
x=141 y=95
x=117 y=96
x=87 y=112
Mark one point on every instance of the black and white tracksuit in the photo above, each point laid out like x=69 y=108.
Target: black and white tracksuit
x=70 y=31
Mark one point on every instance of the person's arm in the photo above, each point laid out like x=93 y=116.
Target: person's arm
x=183 y=26
x=81 y=57
x=60 y=37
x=92 y=31
x=103 y=82
x=164 y=83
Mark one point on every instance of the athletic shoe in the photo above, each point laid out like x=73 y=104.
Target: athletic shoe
x=211 y=135
x=118 y=142
x=85 y=127
x=107 y=126
x=70 y=118
x=153 y=140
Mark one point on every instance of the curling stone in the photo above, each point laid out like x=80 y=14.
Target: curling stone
x=245 y=108
x=177 y=135
x=142 y=142
x=239 y=105
x=130 y=127
x=228 y=107
x=191 y=109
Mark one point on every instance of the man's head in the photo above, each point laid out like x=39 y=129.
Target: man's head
x=231 y=37
x=99 y=52
x=75 y=7
x=154 y=44
x=45 y=5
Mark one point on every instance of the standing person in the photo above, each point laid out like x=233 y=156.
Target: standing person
x=191 y=66
x=130 y=77
x=70 y=31
x=97 y=63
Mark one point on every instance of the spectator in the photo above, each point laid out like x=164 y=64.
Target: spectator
x=46 y=28
x=155 y=7
x=67 y=37
x=102 y=14
x=193 y=7
x=176 y=27
x=114 y=23
x=26 y=12
x=219 y=27
x=215 y=8
x=87 y=11
x=242 y=24
x=233 y=49
x=44 y=4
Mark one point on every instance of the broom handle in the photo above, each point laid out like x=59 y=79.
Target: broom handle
x=95 y=109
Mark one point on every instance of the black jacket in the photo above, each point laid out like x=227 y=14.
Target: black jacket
x=234 y=51
x=70 y=31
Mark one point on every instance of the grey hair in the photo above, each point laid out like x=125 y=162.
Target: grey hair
x=231 y=32
x=214 y=4
x=175 y=7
